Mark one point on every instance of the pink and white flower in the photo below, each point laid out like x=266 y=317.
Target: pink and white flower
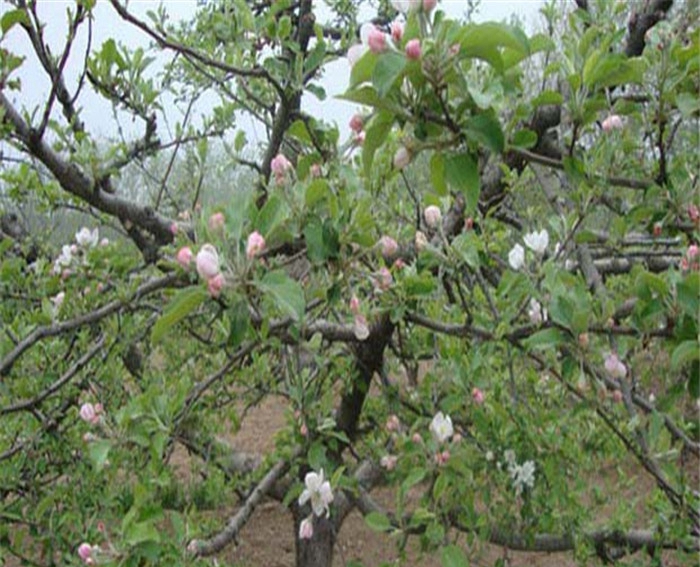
x=207 y=262
x=318 y=491
x=255 y=244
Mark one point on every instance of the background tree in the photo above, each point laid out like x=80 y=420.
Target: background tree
x=512 y=226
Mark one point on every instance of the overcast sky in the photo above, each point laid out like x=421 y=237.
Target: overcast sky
x=97 y=114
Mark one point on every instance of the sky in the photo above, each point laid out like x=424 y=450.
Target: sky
x=97 y=114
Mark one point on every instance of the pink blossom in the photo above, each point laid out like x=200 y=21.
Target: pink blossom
x=612 y=122
x=399 y=264
x=185 y=256
x=692 y=251
x=402 y=158
x=85 y=551
x=356 y=123
x=384 y=279
x=389 y=462
x=478 y=396
x=279 y=166
x=207 y=262
x=614 y=367
x=256 y=244
x=416 y=438
x=215 y=284
x=442 y=458
x=216 y=222
x=388 y=245
x=354 y=305
x=376 y=40
x=397 y=30
x=393 y=423
x=306 y=528
x=413 y=49
x=89 y=414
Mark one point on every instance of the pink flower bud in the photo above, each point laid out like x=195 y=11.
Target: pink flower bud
x=100 y=287
x=396 y=30
x=184 y=257
x=215 y=285
x=614 y=367
x=393 y=424
x=389 y=462
x=306 y=528
x=457 y=438
x=402 y=158
x=478 y=396
x=173 y=229
x=468 y=223
x=413 y=49
x=304 y=430
x=207 y=262
x=279 y=166
x=216 y=222
x=356 y=123
x=384 y=279
x=65 y=274
x=399 y=264
x=88 y=413
x=694 y=213
x=617 y=396
x=612 y=122
x=315 y=171
x=454 y=49
x=73 y=249
x=429 y=5
x=85 y=551
x=354 y=305
x=657 y=229
x=433 y=216
x=692 y=251
x=376 y=40
x=416 y=438
x=388 y=246
x=361 y=328
x=256 y=244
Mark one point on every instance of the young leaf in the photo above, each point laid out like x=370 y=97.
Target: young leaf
x=186 y=301
x=286 y=293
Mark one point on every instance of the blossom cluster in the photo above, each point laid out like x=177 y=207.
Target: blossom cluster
x=84 y=240
x=318 y=491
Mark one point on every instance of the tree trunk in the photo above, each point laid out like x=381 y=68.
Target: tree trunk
x=317 y=551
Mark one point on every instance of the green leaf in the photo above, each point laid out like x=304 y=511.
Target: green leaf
x=386 y=72
x=13 y=17
x=462 y=173
x=184 y=302
x=483 y=41
x=376 y=133
x=321 y=239
x=684 y=353
x=141 y=532
x=485 y=129
x=524 y=138
x=437 y=174
x=363 y=95
x=273 y=213
x=378 y=522
x=413 y=478
x=363 y=69
x=453 y=556
x=99 y=451
x=240 y=323
x=546 y=338
x=317 y=191
x=286 y=293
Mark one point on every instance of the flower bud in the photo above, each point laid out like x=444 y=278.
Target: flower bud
x=376 y=40
x=413 y=49
x=216 y=222
x=420 y=241
x=255 y=245
x=478 y=396
x=207 y=262
x=612 y=122
x=389 y=462
x=215 y=285
x=433 y=216
x=356 y=123
x=402 y=158
x=88 y=413
x=354 y=305
x=393 y=424
x=657 y=229
x=388 y=245
x=396 y=30
x=184 y=257
x=429 y=5
x=306 y=528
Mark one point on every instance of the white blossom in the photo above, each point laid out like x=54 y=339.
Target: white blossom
x=536 y=312
x=86 y=237
x=441 y=427
x=537 y=241
x=516 y=257
x=522 y=476
x=318 y=491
